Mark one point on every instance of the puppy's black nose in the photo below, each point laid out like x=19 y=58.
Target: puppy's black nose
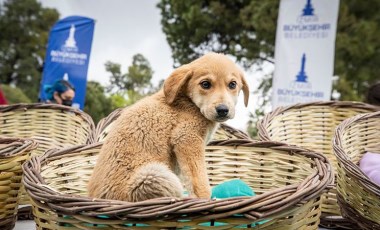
x=222 y=110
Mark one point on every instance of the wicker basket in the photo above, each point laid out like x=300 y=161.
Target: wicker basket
x=312 y=125
x=288 y=182
x=224 y=131
x=50 y=125
x=13 y=153
x=358 y=196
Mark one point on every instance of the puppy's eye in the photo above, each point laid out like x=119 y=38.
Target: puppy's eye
x=205 y=84
x=232 y=85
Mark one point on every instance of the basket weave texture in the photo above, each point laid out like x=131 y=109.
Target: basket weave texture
x=224 y=131
x=312 y=126
x=50 y=125
x=13 y=153
x=288 y=182
x=358 y=196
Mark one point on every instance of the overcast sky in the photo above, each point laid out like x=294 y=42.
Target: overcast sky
x=124 y=28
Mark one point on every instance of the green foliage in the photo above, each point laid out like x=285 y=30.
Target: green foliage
x=117 y=79
x=118 y=101
x=234 y=27
x=137 y=78
x=357 y=49
x=130 y=87
x=97 y=104
x=123 y=90
x=139 y=74
x=14 y=95
x=246 y=29
x=24 y=26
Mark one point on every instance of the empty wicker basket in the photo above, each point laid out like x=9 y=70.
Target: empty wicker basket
x=358 y=196
x=312 y=126
x=50 y=125
x=288 y=182
x=222 y=133
x=13 y=153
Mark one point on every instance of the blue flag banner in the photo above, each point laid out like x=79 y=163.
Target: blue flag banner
x=68 y=55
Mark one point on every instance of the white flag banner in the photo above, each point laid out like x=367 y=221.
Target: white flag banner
x=304 y=53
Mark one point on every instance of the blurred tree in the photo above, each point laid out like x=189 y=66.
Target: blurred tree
x=137 y=78
x=357 y=52
x=24 y=26
x=14 y=95
x=123 y=99
x=118 y=101
x=242 y=28
x=97 y=104
x=116 y=79
x=134 y=84
x=246 y=29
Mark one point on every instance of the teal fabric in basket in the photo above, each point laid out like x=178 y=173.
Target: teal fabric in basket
x=231 y=188
x=228 y=189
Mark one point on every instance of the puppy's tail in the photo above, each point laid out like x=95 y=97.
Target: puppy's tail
x=154 y=180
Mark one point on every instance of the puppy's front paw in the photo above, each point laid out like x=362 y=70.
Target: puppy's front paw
x=204 y=192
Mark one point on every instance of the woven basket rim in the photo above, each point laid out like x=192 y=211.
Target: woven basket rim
x=308 y=189
x=15 y=146
x=234 y=131
x=35 y=106
x=342 y=156
x=106 y=121
x=263 y=123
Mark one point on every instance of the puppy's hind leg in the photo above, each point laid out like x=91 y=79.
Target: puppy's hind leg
x=154 y=180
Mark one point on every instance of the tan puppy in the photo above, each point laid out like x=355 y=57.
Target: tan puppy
x=166 y=134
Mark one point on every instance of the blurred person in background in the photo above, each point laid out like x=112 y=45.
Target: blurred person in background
x=373 y=94
x=3 y=100
x=61 y=92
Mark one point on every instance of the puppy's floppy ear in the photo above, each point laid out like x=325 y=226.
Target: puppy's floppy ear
x=176 y=82
x=245 y=89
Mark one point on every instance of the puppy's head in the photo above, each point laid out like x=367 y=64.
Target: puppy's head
x=212 y=82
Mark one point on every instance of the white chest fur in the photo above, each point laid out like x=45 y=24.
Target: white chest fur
x=210 y=132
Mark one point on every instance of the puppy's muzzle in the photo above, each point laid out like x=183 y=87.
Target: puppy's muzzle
x=222 y=111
